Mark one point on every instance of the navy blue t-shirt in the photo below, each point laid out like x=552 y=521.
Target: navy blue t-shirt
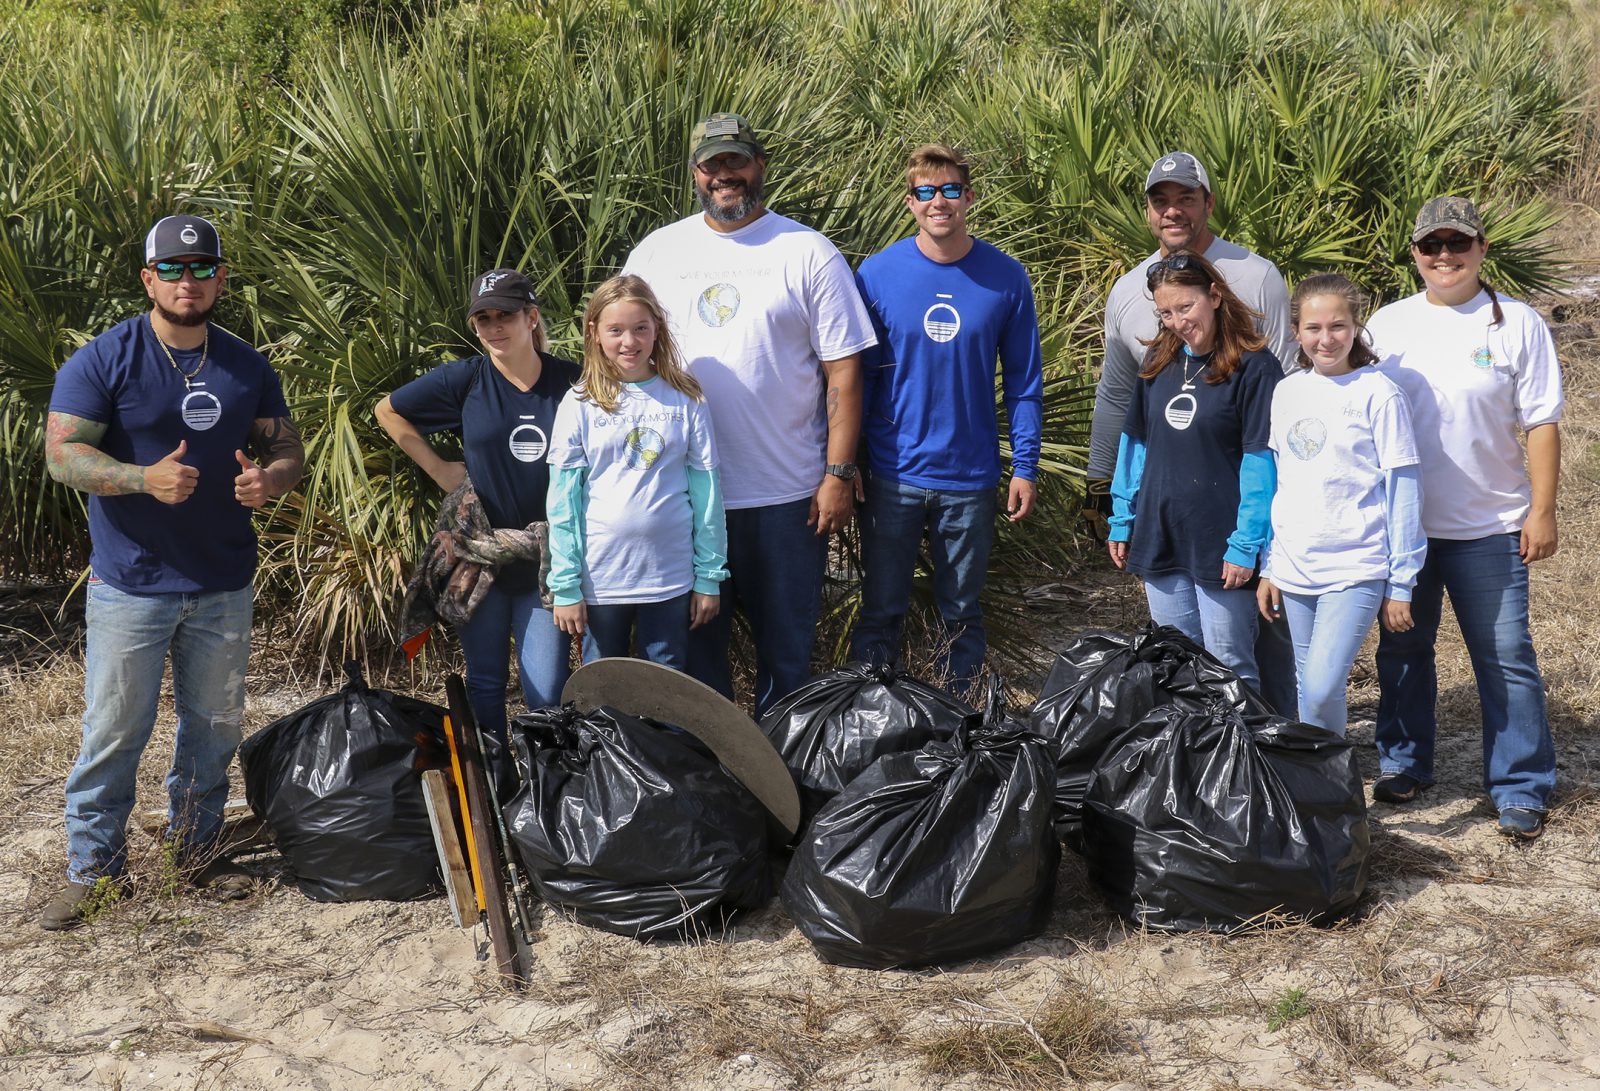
x=505 y=437
x=1195 y=435
x=124 y=380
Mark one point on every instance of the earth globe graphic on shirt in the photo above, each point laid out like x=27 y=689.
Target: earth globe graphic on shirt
x=1307 y=437
x=644 y=447
x=718 y=304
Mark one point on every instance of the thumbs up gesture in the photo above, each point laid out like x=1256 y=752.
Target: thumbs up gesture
x=169 y=480
x=250 y=487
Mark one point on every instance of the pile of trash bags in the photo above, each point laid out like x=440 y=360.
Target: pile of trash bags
x=938 y=854
x=338 y=783
x=633 y=827
x=1195 y=806
x=836 y=725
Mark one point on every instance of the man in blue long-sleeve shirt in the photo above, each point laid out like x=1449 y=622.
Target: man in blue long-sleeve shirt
x=947 y=307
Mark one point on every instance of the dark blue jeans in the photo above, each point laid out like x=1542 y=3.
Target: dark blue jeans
x=775 y=567
x=1488 y=587
x=663 y=631
x=959 y=525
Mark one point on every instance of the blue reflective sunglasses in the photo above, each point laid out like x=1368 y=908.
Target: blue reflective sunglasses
x=949 y=190
x=173 y=270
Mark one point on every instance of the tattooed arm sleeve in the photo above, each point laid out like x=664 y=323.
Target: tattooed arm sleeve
x=72 y=453
x=275 y=442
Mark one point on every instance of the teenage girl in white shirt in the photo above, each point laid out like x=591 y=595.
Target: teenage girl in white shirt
x=1347 y=534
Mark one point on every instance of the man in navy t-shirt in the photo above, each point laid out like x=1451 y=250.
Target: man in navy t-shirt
x=153 y=419
x=946 y=307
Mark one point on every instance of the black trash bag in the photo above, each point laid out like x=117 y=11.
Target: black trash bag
x=936 y=856
x=1104 y=683
x=339 y=785
x=833 y=727
x=1206 y=821
x=633 y=827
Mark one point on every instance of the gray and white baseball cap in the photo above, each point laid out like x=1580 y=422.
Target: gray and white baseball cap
x=1179 y=167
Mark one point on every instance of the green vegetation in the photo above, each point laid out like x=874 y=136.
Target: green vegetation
x=365 y=159
x=1291 y=1005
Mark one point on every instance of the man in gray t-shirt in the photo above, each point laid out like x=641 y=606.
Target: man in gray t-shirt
x=1177 y=204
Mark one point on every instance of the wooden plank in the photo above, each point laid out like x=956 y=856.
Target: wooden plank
x=438 y=793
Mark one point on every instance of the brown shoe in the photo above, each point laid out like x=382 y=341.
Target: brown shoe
x=76 y=902
x=224 y=879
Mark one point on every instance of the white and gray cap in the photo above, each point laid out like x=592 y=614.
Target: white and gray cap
x=1179 y=167
x=182 y=237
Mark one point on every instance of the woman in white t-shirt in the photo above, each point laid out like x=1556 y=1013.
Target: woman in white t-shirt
x=1479 y=369
x=1347 y=536
x=637 y=534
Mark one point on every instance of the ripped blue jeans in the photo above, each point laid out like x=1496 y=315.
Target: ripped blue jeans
x=129 y=636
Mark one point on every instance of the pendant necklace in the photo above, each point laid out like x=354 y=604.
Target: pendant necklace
x=1188 y=379
x=188 y=377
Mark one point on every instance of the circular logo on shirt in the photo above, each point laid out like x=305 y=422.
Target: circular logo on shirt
x=528 y=443
x=942 y=322
x=1180 y=411
x=644 y=447
x=1482 y=357
x=1307 y=438
x=200 y=409
x=717 y=305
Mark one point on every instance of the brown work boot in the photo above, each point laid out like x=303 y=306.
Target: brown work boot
x=77 y=902
x=223 y=878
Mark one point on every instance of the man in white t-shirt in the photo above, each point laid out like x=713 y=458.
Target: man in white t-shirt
x=767 y=317
x=1178 y=200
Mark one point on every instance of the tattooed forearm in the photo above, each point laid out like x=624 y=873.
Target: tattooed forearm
x=843 y=406
x=833 y=406
x=74 y=458
x=275 y=441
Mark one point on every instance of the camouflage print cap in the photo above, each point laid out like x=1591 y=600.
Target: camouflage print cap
x=721 y=133
x=1448 y=212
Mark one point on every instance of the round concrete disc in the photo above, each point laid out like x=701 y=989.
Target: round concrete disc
x=639 y=688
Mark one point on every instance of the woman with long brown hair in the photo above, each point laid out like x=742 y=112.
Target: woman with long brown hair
x=1192 y=493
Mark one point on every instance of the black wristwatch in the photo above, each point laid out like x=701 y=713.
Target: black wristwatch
x=842 y=470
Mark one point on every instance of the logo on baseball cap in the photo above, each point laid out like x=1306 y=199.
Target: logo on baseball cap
x=182 y=237
x=501 y=290
x=720 y=133
x=1179 y=167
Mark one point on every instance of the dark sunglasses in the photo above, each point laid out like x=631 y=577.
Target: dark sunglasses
x=725 y=161
x=951 y=191
x=1433 y=246
x=1175 y=264
x=173 y=270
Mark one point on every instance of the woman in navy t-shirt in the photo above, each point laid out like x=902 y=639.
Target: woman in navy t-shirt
x=1192 y=493
x=503 y=406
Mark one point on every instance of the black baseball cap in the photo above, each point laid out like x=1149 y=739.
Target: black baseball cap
x=182 y=237
x=501 y=290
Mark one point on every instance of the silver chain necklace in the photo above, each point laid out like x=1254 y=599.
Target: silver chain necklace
x=188 y=376
x=1188 y=380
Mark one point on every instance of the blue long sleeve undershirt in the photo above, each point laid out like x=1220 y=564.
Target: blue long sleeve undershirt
x=1408 y=545
x=1258 y=480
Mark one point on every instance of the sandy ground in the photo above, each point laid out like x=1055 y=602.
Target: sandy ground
x=1471 y=962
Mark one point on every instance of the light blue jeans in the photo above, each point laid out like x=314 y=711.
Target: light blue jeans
x=542 y=652
x=1488 y=587
x=1327 y=630
x=129 y=637
x=1222 y=622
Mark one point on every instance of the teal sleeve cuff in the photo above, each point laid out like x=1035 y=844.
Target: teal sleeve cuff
x=707 y=587
x=710 y=530
x=1125 y=481
x=1408 y=545
x=564 y=509
x=1258 y=480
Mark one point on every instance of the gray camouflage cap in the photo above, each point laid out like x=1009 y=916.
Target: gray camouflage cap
x=1447 y=212
x=720 y=133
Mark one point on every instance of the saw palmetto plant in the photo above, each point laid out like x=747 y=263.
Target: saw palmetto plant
x=365 y=174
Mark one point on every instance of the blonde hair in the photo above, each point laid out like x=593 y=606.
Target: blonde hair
x=600 y=382
x=934 y=158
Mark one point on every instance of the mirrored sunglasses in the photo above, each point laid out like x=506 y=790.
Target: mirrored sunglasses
x=725 y=161
x=951 y=191
x=173 y=270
